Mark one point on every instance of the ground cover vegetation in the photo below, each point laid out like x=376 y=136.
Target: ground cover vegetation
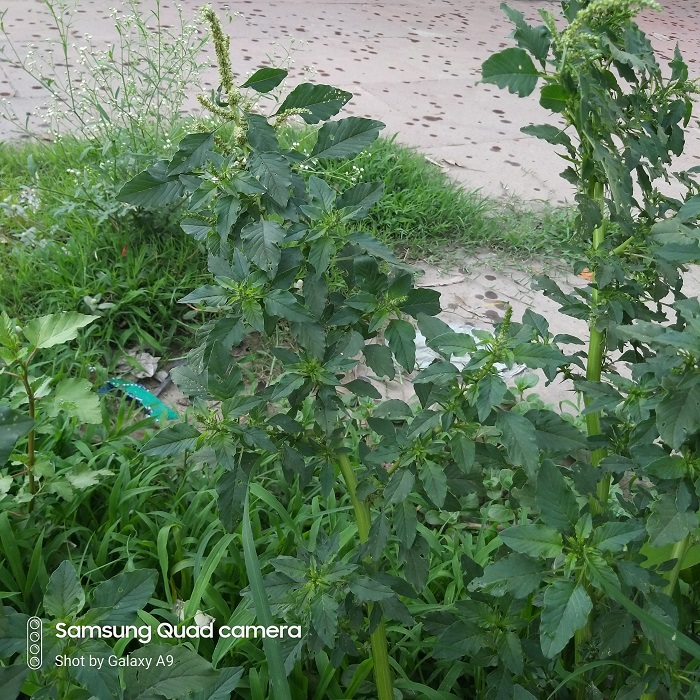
x=464 y=544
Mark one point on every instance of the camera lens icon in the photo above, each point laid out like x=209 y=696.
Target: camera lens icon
x=34 y=642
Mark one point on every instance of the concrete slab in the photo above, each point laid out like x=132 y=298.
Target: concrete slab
x=413 y=64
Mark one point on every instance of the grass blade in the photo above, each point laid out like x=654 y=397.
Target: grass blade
x=273 y=652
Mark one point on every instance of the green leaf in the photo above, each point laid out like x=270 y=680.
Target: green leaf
x=566 y=609
x=76 y=398
x=678 y=414
x=13 y=426
x=515 y=574
x=435 y=483
x=362 y=387
x=538 y=356
x=265 y=79
x=356 y=201
x=152 y=188
x=64 y=597
x=102 y=682
x=520 y=440
x=489 y=393
x=367 y=590
x=555 y=98
x=401 y=336
x=513 y=69
x=554 y=434
x=324 y=618
x=56 y=329
x=421 y=301
x=452 y=343
x=690 y=211
x=189 y=673
x=664 y=630
x=11 y=680
x=261 y=241
x=549 y=133
x=125 y=594
x=555 y=499
x=405 y=522
x=380 y=360
x=222 y=688
x=535 y=39
x=318 y=102
x=534 y=540
x=273 y=652
x=273 y=172
x=173 y=440
x=192 y=152
x=613 y=536
x=345 y=138
x=399 y=486
x=13 y=632
x=671 y=519
x=463 y=450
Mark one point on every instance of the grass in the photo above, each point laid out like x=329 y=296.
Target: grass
x=66 y=244
x=424 y=213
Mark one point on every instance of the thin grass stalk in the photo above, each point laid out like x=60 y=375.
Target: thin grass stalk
x=273 y=653
x=380 y=653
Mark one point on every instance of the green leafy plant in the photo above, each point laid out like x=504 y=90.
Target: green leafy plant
x=127 y=98
x=95 y=665
x=582 y=580
x=48 y=404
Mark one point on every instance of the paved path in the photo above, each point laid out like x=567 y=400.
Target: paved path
x=413 y=64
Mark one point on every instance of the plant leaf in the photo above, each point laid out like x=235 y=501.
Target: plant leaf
x=401 y=337
x=319 y=102
x=188 y=673
x=13 y=426
x=76 y=398
x=191 y=152
x=520 y=441
x=261 y=241
x=566 y=609
x=265 y=79
x=152 y=188
x=173 y=440
x=125 y=594
x=64 y=597
x=345 y=138
x=513 y=69
x=534 y=540
x=56 y=329
x=555 y=499
x=515 y=574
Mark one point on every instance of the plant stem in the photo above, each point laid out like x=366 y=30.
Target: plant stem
x=596 y=352
x=680 y=549
x=30 y=438
x=380 y=653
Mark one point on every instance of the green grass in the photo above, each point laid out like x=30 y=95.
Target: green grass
x=425 y=214
x=66 y=244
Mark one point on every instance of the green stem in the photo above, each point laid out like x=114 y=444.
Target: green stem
x=31 y=450
x=380 y=653
x=596 y=353
x=679 y=551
